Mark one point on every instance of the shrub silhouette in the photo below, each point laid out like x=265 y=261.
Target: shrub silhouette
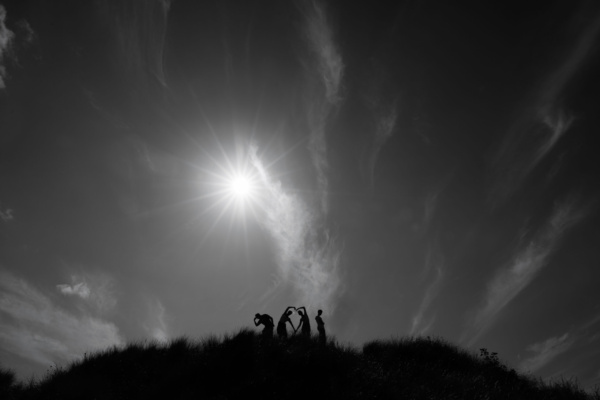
x=8 y=387
x=244 y=364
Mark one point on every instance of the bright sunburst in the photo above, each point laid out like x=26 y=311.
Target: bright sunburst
x=232 y=185
x=241 y=187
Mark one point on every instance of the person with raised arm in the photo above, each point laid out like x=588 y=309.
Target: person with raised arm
x=285 y=317
x=304 y=322
x=267 y=321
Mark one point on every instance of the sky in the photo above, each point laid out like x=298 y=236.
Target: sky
x=409 y=167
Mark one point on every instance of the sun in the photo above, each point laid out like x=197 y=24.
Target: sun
x=231 y=186
x=241 y=187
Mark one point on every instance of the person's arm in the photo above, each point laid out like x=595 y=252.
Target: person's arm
x=287 y=309
x=271 y=319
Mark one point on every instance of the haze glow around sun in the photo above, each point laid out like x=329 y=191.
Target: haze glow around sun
x=241 y=187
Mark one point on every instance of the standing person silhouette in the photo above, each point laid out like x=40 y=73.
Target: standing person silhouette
x=267 y=321
x=304 y=322
x=285 y=317
x=321 y=327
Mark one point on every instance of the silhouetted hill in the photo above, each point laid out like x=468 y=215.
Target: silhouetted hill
x=245 y=366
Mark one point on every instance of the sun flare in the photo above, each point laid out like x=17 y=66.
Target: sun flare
x=241 y=187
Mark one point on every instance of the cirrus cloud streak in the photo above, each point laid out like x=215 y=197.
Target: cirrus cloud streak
x=38 y=331
x=528 y=261
x=308 y=254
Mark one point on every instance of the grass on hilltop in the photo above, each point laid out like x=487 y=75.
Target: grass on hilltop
x=244 y=365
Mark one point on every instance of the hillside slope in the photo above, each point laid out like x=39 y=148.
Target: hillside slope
x=243 y=365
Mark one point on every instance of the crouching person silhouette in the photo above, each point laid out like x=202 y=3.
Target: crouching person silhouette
x=321 y=327
x=304 y=325
x=285 y=317
x=267 y=321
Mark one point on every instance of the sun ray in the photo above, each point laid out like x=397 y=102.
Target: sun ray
x=230 y=187
x=216 y=222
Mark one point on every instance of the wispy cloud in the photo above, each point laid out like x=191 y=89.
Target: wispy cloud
x=96 y=289
x=528 y=142
x=529 y=260
x=418 y=326
x=320 y=38
x=581 y=343
x=325 y=73
x=557 y=123
x=583 y=46
x=79 y=289
x=6 y=214
x=37 y=330
x=384 y=128
x=546 y=351
x=6 y=38
x=140 y=28
x=543 y=120
x=430 y=203
x=382 y=104
x=156 y=322
x=308 y=255
x=434 y=260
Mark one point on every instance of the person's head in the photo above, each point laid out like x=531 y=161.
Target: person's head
x=300 y=313
x=257 y=315
x=289 y=313
x=320 y=312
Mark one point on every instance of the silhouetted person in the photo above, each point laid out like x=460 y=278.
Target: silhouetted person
x=285 y=317
x=304 y=322
x=321 y=327
x=267 y=321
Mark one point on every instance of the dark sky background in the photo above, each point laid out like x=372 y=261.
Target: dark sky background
x=419 y=168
